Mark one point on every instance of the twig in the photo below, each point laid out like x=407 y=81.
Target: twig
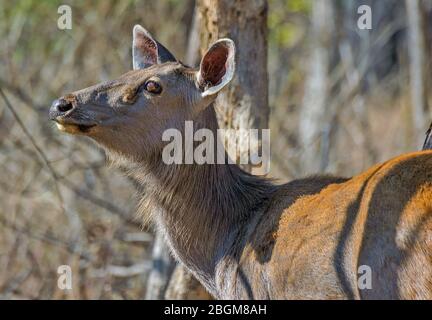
x=122 y=271
x=37 y=148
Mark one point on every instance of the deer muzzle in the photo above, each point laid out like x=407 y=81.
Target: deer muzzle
x=68 y=119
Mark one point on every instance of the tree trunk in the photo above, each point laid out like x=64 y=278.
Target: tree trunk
x=418 y=68
x=244 y=104
x=312 y=115
x=163 y=265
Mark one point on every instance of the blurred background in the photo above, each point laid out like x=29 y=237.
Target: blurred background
x=340 y=100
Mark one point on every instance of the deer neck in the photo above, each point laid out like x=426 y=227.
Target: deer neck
x=199 y=208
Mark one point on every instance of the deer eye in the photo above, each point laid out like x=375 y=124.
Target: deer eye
x=153 y=87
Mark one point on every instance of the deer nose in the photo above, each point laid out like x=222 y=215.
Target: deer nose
x=61 y=105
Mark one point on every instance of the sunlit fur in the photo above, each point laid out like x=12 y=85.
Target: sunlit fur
x=245 y=237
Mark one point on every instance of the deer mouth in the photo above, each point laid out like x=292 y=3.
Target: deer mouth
x=73 y=127
x=78 y=119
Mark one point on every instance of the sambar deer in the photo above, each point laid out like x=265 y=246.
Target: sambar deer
x=243 y=236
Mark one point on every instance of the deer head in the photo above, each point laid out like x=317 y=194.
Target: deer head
x=128 y=115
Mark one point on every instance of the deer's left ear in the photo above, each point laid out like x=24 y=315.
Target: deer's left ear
x=146 y=51
x=217 y=67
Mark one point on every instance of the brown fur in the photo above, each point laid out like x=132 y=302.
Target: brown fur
x=244 y=237
x=311 y=240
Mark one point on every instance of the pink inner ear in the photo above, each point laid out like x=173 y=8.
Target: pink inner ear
x=147 y=48
x=213 y=66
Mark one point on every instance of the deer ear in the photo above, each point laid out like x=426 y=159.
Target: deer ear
x=217 y=67
x=146 y=51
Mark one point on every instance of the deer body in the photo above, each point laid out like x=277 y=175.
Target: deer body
x=312 y=238
x=242 y=236
x=305 y=239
